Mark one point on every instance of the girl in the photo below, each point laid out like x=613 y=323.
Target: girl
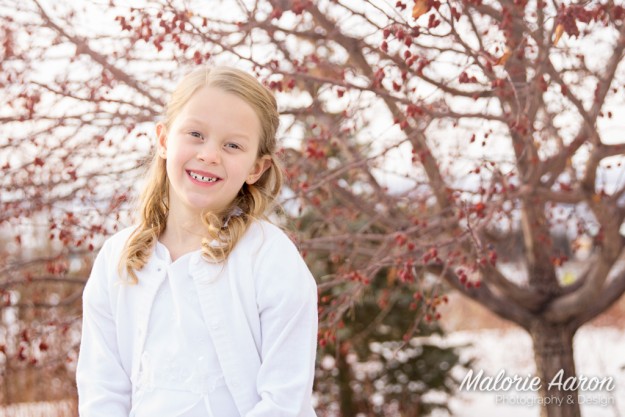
x=204 y=308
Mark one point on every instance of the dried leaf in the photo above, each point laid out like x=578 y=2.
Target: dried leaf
x=391 y=276
x=504 y=58
x=420 y=8
x=558 y=33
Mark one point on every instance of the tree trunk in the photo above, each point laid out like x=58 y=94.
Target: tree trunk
x=553 y=353
x=346 y=395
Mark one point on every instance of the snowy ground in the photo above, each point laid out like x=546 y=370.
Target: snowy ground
x=599 y=352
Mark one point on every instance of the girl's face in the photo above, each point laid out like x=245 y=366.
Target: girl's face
x=211 y=151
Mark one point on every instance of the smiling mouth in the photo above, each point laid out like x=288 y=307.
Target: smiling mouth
x=201 y=178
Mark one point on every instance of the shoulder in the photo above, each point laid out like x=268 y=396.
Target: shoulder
x=263 y=235
x=109 y=254
x=104 y=271
x=115 y=243
x=280 y=272
x=271 y=249
x=267 y=230
x=119 y=238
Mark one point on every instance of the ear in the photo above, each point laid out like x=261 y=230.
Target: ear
x=260 y=166
x=161 y=144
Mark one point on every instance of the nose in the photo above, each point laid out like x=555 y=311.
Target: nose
x=209 y=153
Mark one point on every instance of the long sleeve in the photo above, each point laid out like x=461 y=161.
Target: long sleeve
x=104 y=387
x=287 y=303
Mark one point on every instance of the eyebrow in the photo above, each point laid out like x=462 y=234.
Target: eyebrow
x=200 y=122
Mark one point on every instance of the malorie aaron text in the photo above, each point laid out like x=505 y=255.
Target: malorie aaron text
x=503 y=382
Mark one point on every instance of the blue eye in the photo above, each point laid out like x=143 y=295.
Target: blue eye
x=196 y=134
x=233 y=146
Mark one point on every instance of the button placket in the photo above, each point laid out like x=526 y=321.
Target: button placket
x=147 y=297
x=173 y=370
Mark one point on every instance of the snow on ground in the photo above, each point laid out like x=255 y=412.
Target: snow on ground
x=599 y=352
x=40 y=409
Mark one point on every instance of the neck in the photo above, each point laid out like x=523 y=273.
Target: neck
x=183 y=233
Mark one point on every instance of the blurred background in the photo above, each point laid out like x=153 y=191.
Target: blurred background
x=455 y=183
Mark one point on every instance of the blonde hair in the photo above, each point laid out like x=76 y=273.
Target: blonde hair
x=223 y=229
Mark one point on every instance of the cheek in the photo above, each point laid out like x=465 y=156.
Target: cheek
x=172 y=163
x=176 y=154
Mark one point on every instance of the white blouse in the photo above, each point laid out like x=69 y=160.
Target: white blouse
x=258 y=309
x=180 y=376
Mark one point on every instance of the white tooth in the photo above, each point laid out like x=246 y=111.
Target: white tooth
x=202 y=178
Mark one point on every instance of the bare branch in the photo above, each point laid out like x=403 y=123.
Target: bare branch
x=610 y=293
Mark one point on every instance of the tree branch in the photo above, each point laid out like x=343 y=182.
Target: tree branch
x=571 y=305
x=486 y=297
x=608 y=296
x=83 y=48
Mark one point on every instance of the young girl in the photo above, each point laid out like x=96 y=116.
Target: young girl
x=204 y=308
